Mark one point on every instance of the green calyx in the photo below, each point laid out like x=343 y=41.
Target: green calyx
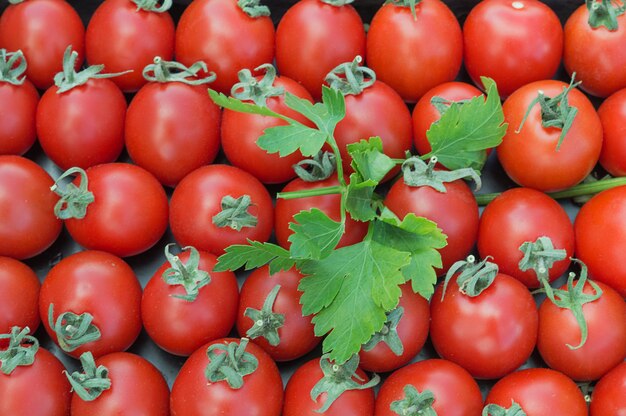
x=187 y=275
x=92 y=382
x=152 y=5
x=258 y=91
x=337 y=379
x=318 y=168
x=416 y=172
x=73 y=330
x=230 y=363
x=415 y=403
x=412 y=4
x=604 y=13
x=74 y=200
x=172 y=71
x=540 y=256
x=473 y=277
x=337 y=3
x=556 y=111
x=12 y=67
x=496 y=410
x=351 y=78
x=253 y=8
x=266 y=321
x=234 y=213
x=389 y=333
x=20 y=351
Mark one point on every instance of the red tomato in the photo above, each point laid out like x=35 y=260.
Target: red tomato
x=540 y=392
x=535 y=145
x=145 y=34
x=261 y=393
x=28 y=225
x=172 y=129
x=304 y=37
x=296 y=334
x=199 y=197
x=180 y=326
x=612 y=114
x=456 y=393
x=519 y=215
x=512 y=42
x=101 y=285
x=600 y=240
x=225 y=37
x=84 y=126
x=137 y=387
x=19 y=296
x=413 y=55
x=412 y=331
x=608 y=396
x=489 y=335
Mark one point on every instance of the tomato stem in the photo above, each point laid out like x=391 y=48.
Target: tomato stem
x=329 y=190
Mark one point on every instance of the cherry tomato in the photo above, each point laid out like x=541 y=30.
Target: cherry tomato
x=612 y=114
x=608 y=394
x=19 y=296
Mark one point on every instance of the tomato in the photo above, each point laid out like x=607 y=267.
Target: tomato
x=95 y=283
x=455 y=391
x=489 y=335
x=608 y=394
x=612 y=113
x=413 y=55
x=181 y=326
x=536 y=146
x=512 y=42
x=586 y=48
x=295 y=335
x=329 y=204
x=146 y=34
x=261 y=392
x=455 y=212
x=600 y=242
x=129 y=212
x=137 y=387
x=313 y=37
x=225 y=37
x=540 y=392
x=83 y=126
x=28 y=225
x=519 y=215
x=19 y=296
x=412 y=331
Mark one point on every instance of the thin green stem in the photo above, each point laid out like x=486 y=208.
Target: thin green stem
x=329 y=190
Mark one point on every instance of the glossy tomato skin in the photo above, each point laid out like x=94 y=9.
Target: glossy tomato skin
x=201 y=36
x=412 y=331
x=133 y=198
x=455 y=212
x=197 y=199
x=329 y=204
x=261 y=394
x=104 y=286
x=608 y=394
x=240 y=132
x=146 y=34
x=600 y=241
x=84 y=126
x=172 y=129
x=414 y=55
x=304 y=34
x=180 y=327
x=519 y=215
x=585 y=51
x=530 y=157
x=606 y=343
x=19 y=296
x=489 y=335
x=28 y=225
x=34 y=28
x=514 y=43
x=298 y=400
x=456 y=393
x=137 y=388
x=40 y=389
x=425 y=114
x=18 y=106
x=296 y=335
x=612 y=114
x=540 y=392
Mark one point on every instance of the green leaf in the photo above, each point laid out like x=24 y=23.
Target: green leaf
x=234 y=104
x=368 y=159
x=459 y=139
x=254 y=255
x=324 y=115
x=288 y=139
x=360 y=200
x=315 y=235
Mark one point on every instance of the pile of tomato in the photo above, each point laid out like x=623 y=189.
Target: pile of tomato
x=122 y=182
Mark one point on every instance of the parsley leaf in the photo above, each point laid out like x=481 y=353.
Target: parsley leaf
x=254 y=255
x=315 y=235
